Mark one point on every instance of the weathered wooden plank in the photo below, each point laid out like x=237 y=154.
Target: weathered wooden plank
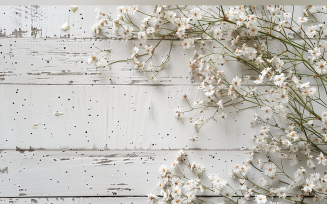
x=100 y=173
x=64 y=61
x=113 y=117
x=30 y=21
x=85 y=200
x=112 y=200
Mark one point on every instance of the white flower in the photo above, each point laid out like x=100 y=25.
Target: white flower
x=177 y=200
x=268 y=111
x=135 y=51
x=279 y=79
x=180 y=154
x=302 y=20
x=270 y=170
x=323 y=44
x=222 y=116
x=321 y=67
x=142 y=26
x=321 y=159
x=102 y=62
x=99 y=14
x=308 y=186
x=188 y=43
x=128 y=31
x=152 y=198
x=115 y=24
x=176 y=191
x=310 y=163
x=171 y=16
x=281 y=192
x=150 y=30
x=176 y=181
x=142 y=36
x=198 y=102
x=177 y=112
x=153 y=78
x=209 y=90
x=197 y=169
x=311 y=32
x=220 y=104
x=180 y=32
x=196 y=13
x=190 y=185
x=200 y=121
x=253 y=30
x=287 y=15
x=96 y=28
x=259 y=59
x=315 y=54
x=134 y=9
x=174 y=164
x=163 y=170
x=259 y=80
x=127 y=10
x=65 y=27
x=237 y=81
x=263 y=182
x=92 y=59
x=218 y=33
x=217 y=181
x=260 y=199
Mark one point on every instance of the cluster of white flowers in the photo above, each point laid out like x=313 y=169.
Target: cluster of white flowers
x=176 y=189
x=298 y=131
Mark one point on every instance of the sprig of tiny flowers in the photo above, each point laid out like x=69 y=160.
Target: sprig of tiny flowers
x=179 y=188
x=175 y=187
x=292 y=118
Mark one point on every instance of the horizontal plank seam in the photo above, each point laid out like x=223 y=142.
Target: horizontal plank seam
x=120 y=150
x=163 y=85
x=123 y=196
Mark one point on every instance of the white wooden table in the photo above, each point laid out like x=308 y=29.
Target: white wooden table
x=117 y=128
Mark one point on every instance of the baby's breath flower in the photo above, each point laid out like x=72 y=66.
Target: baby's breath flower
x=260 y=199
x=65 y=27
x=152 y=198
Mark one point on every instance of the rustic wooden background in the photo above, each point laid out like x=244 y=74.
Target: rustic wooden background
x=117 y=128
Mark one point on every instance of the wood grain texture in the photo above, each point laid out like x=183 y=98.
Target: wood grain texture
x=99 y=173
x=63 y=61
x=113 y=130
x=85 y=200
x=112 y=117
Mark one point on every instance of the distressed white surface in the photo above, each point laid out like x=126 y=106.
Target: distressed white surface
x=99 y=173
x=86 y=200
x=112 y=117
x=43 y=70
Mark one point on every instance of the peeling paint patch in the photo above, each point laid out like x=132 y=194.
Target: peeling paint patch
x=33 y=201
x=5 y=170
x=119 y=189
x=104 y=162
x=35 y=31
x=31 y=149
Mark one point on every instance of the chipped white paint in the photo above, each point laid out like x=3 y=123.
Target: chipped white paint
x=67 y=132
x=112 y=117
x=85 y=200
x=98 y=173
